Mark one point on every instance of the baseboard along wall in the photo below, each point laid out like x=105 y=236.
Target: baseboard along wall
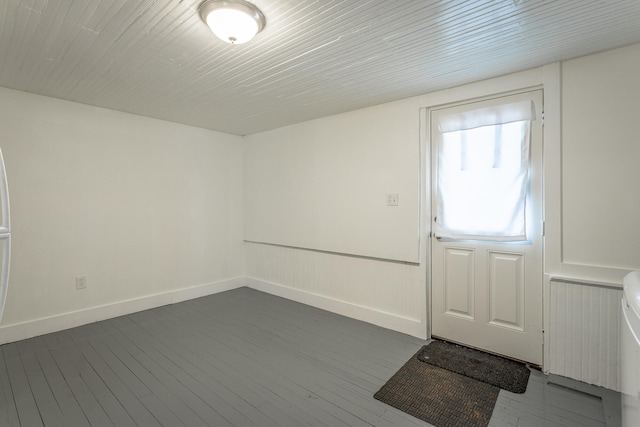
x=366 y=314
x=59 y=322
x=32 y=328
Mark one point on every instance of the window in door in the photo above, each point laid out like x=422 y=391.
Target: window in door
x=483 y=168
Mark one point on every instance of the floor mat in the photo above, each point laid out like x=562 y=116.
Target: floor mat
x=439 y=396
x=504 y=373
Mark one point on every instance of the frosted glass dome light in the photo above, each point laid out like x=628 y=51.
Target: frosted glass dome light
x=233 y=21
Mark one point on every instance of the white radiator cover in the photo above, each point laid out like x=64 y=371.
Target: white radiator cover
x=584 y=332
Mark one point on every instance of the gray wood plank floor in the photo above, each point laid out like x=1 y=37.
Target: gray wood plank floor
x=238 y=358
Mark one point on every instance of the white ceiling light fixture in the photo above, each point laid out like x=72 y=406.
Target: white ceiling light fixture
x=234 y=21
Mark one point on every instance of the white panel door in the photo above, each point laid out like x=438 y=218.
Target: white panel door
x=487 y=293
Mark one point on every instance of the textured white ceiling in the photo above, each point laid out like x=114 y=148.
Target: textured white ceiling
x=314 y=58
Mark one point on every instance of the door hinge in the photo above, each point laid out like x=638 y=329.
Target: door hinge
x=543 y=227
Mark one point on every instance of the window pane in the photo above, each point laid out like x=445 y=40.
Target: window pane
x=482 y=181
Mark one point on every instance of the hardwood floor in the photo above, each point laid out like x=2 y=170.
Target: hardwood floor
x=238 y=358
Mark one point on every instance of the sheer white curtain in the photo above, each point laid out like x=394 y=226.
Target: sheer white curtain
x=483 y=171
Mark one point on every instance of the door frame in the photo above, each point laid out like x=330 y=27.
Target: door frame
x=547 y=78
x=502 y=338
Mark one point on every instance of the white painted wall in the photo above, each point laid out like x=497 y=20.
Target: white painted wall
x=144 y=208
x=600 y=217
x=323 y=184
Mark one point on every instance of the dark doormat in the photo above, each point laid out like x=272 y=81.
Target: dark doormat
x=439 y=396
x=504 y=373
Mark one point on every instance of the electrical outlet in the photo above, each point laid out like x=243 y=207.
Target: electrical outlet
x=81 y=282
x=392 y=199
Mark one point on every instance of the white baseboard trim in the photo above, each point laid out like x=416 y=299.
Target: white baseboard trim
x=386 y=320
x=33 y=328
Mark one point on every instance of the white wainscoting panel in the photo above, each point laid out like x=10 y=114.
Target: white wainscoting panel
x=584 y=328
x=386 y=293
